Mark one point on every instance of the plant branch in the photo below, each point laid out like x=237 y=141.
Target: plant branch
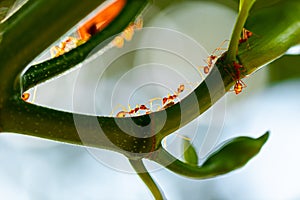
x=20 y=117
x=240 y=22
x=141 y=170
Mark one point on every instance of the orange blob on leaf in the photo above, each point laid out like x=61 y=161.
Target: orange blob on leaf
x=101 y=20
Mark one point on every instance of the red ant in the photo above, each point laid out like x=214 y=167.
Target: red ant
x=96 y=24
x=211 y=60
x=133 y=111
x=239 y=84
x=169 y=101
x=246 y=34
x=166 y=102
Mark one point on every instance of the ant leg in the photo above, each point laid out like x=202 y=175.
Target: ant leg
x=151 y=103
x=123 y=108
x=219 y=48
x=243 y=83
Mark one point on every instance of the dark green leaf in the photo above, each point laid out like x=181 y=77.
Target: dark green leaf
x=275 y=27
x=234 y=154
x=285 y=68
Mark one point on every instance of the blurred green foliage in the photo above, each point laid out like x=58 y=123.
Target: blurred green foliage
x=284 y=69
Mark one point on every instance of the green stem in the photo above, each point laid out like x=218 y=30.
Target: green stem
x=20 y=117
x=238 y=28
x=166 y=159
x=141 y=170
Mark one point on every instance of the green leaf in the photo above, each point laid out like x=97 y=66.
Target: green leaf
x=234 y=154
x=45 y=71
x=190 y=154
x=275 y=27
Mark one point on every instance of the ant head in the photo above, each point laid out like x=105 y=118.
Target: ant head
x=249 y=33
x=143 y=107
x=206 y=69
x=213 y=57
x=237 y=65
x=25 y=96
x=181 y=88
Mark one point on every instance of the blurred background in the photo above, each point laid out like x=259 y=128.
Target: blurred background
x=34 y=169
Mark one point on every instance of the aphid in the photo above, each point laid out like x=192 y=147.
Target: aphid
x=211 y=60
x=25 y=96
x=246 y=34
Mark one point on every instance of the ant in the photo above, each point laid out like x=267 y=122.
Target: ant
x=68 y=44
x=169 y=101
x=166 y=102
x=246 y=34
x=128 y=33
x=96 y=24
x=133 y=111
x=211 y=60
x=100 y=20
x=239 y=84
